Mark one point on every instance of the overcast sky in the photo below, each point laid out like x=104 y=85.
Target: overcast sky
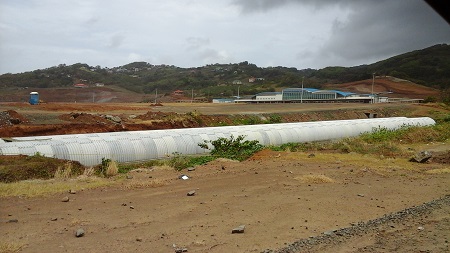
x=37 y=34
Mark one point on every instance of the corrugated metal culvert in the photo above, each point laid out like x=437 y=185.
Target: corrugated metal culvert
x=89 y=149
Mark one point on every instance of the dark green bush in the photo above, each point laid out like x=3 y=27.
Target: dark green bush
x=232 y=148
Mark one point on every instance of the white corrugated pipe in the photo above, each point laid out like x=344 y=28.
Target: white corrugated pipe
x=89 y=149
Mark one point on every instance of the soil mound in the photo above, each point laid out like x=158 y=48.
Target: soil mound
x=10 y=117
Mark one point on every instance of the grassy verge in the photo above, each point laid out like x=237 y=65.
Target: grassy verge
x=381 y=141
x=38 y=187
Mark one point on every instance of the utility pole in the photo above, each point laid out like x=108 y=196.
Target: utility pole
x=301 y=97
x=192 y=97
x=373 y=82
x=156 y=95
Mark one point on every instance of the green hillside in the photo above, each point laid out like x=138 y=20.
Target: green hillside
x=429 y=67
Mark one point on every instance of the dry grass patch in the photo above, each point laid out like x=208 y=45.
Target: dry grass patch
x=10 y=247
x=373 y=163
x=315 y=179
x=77 y=222
x=34 y=188
x=439 y=171
x=64 y=172
x=111 y=169
x=163 y=167
x=225 y=160
x=88 y=172
x=145 y=184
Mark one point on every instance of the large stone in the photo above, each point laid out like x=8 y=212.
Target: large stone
x=115 y=119
x=421 y=157
x=79 y=233
x=238 y=230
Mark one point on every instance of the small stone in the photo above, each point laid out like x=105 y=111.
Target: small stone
x=139 y=239
x=360 y=195
x=79 y=233
x=328 y=233
x=420 y=228
x=191 y=193
x=129 y=177
x=131 y=207
x=72 y=191
x=65 y=199
x=13 y=221
x=54 y=219
x=190 y=169
x=238 y=230
x=311 y=155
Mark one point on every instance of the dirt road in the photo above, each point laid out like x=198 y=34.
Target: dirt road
x=280 y=197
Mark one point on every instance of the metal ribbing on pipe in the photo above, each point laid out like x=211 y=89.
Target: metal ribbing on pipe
x=89 y=149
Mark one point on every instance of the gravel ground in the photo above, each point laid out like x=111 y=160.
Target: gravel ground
x=436 y=239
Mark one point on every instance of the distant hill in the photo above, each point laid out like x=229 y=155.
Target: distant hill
x=388 y=86
x=428 y=67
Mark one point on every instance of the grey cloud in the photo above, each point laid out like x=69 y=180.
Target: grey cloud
x=263 y=5
x=92 y=21
x=196 y=42
x=385 y=29
x=210 y=55
x=116 y=40
x=248 y=6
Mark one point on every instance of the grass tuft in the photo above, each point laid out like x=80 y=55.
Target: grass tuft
x=145 y=184
x=9 y=247
x=64 y=172
x=315 y=179
x=111 y=169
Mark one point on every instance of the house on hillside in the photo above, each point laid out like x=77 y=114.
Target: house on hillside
x=254 y=79
x=178 y=93
x=80 y=85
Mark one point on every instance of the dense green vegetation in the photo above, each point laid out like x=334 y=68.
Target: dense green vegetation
x=235 y=148
x=428 y=67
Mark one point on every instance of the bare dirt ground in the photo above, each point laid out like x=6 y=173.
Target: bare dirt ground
x=288 y=201
x=23 y=119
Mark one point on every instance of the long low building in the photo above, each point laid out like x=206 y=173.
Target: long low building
x=310 y=95
x=131 y=146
